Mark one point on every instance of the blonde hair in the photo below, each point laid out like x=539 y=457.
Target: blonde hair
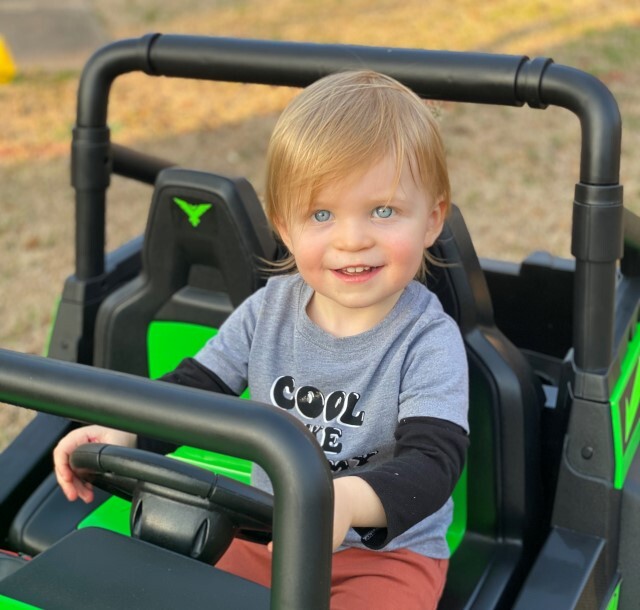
x=344 y=123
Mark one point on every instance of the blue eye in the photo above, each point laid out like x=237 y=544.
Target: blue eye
x=322 y=215
x=384 y=211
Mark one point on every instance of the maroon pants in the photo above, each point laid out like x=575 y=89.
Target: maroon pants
x=360 y=580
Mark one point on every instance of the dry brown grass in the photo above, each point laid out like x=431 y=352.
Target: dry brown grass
x=513 y=170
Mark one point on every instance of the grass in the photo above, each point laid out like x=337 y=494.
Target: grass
x=512 y=170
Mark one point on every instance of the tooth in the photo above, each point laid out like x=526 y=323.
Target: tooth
x=356 y=269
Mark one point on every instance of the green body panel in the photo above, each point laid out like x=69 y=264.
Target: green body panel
x=111 y=515
x=625 y=411
x=7 y=603
x=615 y=599
x=458 y=526
x=228 y=466
x=169 y=342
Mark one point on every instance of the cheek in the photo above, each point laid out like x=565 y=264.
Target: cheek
x=407 y=249
x=308 y=252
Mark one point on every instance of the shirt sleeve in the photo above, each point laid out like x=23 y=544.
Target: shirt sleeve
x=427 y=463
x=227 y=353
x=435 y=377
x=192 y=374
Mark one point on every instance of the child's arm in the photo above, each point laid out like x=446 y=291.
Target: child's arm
x=429 y=457
x=356 y=505
x=387 y=500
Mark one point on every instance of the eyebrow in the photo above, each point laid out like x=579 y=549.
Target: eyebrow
x=376 y=201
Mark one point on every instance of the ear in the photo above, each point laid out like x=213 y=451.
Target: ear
x=435 y=223
x=283 y=232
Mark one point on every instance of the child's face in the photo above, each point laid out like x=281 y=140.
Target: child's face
x=361 y=243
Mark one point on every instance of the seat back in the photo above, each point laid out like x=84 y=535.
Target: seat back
x=504 y=502
x=204 y=240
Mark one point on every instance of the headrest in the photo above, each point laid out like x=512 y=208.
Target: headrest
x=205 y=227
x=460 y=282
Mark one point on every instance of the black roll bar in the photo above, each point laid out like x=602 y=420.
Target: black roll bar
x=452 y=76
x=133 y=164
x=303 y=489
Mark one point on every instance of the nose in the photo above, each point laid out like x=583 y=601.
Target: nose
x=352 y=234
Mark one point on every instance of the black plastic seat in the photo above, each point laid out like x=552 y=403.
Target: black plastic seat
x=47 y=516
x=505 y=519
x=205 y=239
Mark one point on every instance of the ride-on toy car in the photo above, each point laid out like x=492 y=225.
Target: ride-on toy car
x=548 y=509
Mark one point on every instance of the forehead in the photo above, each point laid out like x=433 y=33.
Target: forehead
x=382 y=180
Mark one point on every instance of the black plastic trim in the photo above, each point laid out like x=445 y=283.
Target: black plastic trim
x=107 y=571
x=548 y=586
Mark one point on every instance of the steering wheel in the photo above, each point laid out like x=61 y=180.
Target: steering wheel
x=176 y=505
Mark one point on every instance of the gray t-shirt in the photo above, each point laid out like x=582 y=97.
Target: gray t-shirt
x=350 y=392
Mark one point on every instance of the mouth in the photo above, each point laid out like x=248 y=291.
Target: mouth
x=355 y=270
x=356 y=273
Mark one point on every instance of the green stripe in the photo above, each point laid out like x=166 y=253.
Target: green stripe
x=625 y=403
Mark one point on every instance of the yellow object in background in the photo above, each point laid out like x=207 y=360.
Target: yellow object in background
x=7 y=67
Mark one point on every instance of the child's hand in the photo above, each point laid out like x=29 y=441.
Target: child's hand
x=72 y=486
x=355 y=505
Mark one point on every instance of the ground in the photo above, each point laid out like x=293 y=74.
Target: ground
x=512 y=169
